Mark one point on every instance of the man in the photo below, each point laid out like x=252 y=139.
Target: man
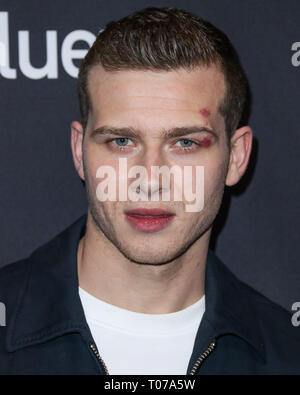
x=133 y=288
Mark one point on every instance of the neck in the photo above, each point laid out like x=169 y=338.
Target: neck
x=105 y=273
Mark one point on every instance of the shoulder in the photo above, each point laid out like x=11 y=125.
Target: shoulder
x=50 y=260
x=12 y=282
x=273 y=312
x=11 y=274
x=280 y=336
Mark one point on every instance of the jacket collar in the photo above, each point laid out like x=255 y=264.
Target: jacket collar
x=230 y=305
x=49 y=304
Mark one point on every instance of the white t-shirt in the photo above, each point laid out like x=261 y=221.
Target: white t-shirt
x=138 y=343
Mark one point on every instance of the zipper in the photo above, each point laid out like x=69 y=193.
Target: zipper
x=203 y=356
x=199 y=361
x=96 y=352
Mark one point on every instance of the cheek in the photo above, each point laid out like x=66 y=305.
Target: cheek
x=214 y=179
x=95 y=158
x=105 y=171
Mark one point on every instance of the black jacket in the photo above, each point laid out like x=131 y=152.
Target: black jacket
x=241 y=332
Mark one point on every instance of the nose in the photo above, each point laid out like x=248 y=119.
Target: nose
x=150 y=185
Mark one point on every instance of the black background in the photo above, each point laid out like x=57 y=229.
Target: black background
x=257 y=230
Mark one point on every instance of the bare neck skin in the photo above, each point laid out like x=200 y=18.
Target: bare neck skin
x=108 y=275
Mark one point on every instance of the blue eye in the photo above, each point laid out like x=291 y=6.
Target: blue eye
x=185 y=142
x=122 y=141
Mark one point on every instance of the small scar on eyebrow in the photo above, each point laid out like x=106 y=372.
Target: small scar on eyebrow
x=205 y=112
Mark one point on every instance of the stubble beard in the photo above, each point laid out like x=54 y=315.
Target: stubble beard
x=104 y=226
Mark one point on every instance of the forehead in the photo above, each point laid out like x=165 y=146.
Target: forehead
x=180 y=91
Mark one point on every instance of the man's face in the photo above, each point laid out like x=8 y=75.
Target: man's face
x=151 y=104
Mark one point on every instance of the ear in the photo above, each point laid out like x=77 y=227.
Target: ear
x=240 y=149
x=76 y=146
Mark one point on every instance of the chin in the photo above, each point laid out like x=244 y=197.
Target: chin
x=150 y=253
x=144 y=259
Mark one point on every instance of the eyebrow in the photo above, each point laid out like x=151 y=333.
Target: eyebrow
x=132 y=133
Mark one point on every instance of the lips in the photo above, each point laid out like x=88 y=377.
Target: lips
x=149 y=219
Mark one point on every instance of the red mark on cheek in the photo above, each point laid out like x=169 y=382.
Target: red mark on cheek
x=205 y=112
x=206 y=142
